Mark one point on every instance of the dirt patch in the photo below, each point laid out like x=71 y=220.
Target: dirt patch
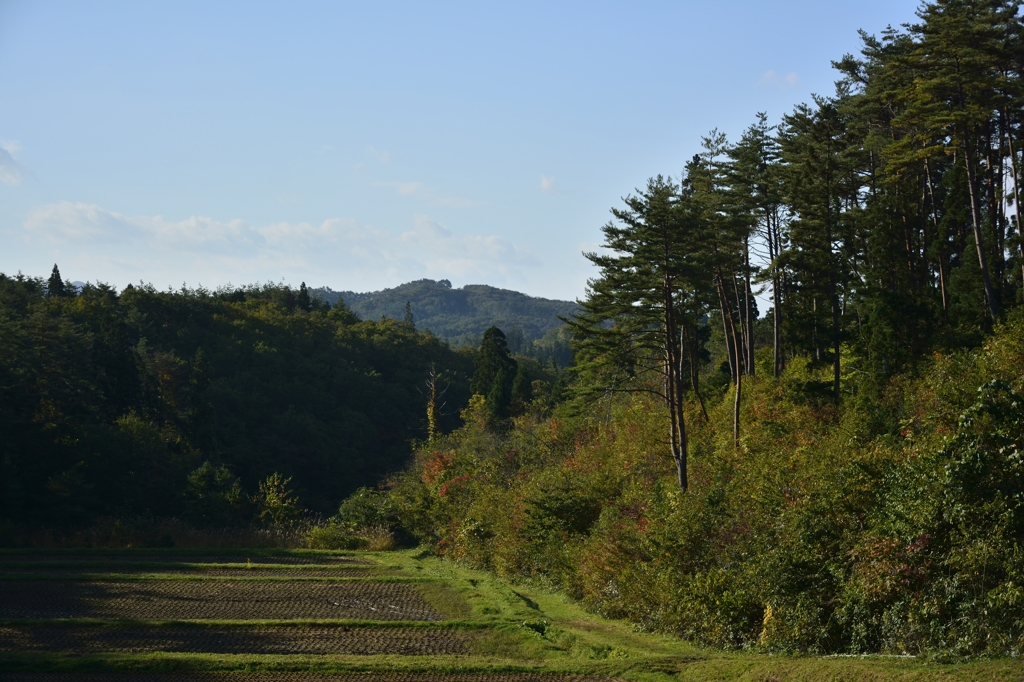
x=212 y=599
x=235 y=640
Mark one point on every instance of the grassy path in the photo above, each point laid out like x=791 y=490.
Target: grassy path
x=238 y=615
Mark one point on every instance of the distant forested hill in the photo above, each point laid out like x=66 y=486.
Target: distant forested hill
x=180 y=403
x=459 y=316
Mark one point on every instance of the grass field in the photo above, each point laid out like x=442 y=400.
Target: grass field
x=237 y=615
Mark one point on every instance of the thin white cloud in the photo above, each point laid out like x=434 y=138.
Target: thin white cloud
x=11 y=172
x=383 y=157
x=469 y=257
x=121 y=248
x=422 y=191
x=770 y=79
x=549 y=186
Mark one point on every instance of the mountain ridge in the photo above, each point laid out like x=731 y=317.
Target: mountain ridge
x=459 y=315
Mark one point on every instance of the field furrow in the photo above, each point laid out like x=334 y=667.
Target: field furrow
x=203 y=600
x=235 y=640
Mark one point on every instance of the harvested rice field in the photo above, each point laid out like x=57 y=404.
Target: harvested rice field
x=359 y=641
x=212 y=599
x=9 y=559
x=304 y=616
x=305 y=677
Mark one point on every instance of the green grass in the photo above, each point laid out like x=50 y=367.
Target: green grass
x=517 y=630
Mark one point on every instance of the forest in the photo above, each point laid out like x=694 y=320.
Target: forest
x=842 y=473
x=179 y=403
x=461 y=315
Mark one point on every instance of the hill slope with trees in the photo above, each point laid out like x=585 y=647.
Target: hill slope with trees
x=843 y=475
x=182 y=403
x=460 y=316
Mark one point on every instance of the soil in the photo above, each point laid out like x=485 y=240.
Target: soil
x=8 y=559
x=298 y=677
x=201 y=571
x=235 y=640
x=212 y=599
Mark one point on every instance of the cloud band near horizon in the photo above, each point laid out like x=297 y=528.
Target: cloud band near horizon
x=95 y=243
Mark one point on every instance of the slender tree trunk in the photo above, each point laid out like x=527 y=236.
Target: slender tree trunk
x=979 y=242
x=692 y=359
x=740 y=327
x=1016 y=201
x=739 y=374
x=723 y=303
x=935 y=223
x=774 y=250
x=673 y=389
x=432 y=379
x=748 y=308
x=834 y=296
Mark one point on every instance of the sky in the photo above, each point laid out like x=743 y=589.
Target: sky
x=360 y=145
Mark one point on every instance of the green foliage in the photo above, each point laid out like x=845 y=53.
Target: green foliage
x=889 y=525
x=366 y=508
x=276 y=504
x=461 y=316
x=111 y=402
x=495 y=373
x=214 y=497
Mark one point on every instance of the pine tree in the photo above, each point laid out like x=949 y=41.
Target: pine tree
x=302 y=301
x=494 y=373
x=628 y=335
x=55 y=286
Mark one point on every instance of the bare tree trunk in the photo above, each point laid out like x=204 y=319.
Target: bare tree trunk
x=673 y=392
x=774 y=250
x=432 y=404
x=748 y=308
x=935 y=223
x=740 y=327
x=723 y=303
x=739 y=374
x=979 y=242
x=692 y=356
x=1016 y=201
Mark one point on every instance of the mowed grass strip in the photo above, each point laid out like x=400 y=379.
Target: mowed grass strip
x=214 y=599
x=320 y=640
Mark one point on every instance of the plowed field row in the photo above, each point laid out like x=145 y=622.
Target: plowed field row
x=112 y=558
x=222 y=600
x=240 y=572
x=235 y=640
x=300 y=677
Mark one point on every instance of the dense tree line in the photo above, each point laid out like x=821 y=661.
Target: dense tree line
x=461 y=315
x=187 y=403
x=882 y=221
x=845 y=471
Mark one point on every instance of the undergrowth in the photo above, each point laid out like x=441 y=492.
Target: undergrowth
x=892 y=524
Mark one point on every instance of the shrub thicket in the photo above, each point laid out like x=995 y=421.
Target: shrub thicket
x=894 y=524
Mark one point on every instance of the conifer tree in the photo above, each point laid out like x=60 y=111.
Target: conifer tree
x=629 y=331
x=303 y=301
x=494 y=373
x=55 y=286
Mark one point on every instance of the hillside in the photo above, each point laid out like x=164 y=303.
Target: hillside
x=461 y=315
x=147 y=403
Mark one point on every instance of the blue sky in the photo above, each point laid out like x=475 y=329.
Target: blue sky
x=362 y=145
